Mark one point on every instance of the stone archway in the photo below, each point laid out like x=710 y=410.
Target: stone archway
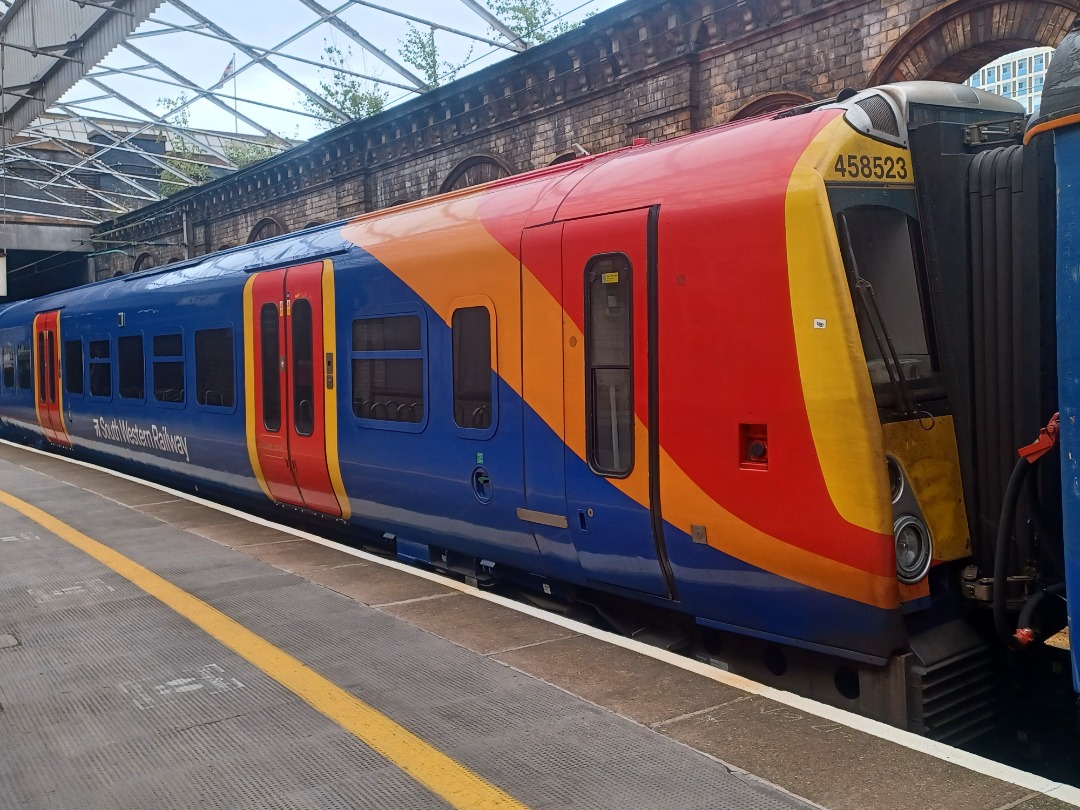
x=144 y=261
x=474 y=170
x=954 y=41
x=770 y=103
x=266 y=228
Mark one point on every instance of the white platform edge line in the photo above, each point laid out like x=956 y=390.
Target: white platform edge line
x=972 y=762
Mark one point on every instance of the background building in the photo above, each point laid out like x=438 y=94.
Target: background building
x=1018 y=75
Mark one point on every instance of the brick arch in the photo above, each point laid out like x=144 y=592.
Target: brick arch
x=266 y=228
x=770 y=102
x=954 y=41
x=476 y=169
x=144 y=261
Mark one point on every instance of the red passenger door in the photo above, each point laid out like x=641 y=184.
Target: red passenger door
x=292 y=398
x=47 y=395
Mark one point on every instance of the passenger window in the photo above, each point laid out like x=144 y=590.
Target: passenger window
x=303 y=374
x=471 y=336
x=214 y=368
x=388 y=369
x=25 y=367
x=271 y=372
x=100 y=369
x=73 y=366
x=9 y=366
x=609 y=396
x=131 y=367
x=169 y=368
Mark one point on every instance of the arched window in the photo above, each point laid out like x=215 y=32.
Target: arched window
x=144 y=261
x=313 y=224
x=474 y=170
x=265 y=229
x=224 y=247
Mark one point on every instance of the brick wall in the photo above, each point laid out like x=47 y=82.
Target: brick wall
x=646 y=68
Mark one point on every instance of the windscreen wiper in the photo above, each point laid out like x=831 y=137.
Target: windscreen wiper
x=886 y=350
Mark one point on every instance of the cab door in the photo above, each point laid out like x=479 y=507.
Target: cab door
x=47 y=395
x=290 y=371
x=611 y=454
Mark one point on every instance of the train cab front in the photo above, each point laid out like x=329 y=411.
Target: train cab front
x=893 y=321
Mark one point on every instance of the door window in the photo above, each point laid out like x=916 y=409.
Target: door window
x=303 y=372
x=270 y=360
x=608 y=371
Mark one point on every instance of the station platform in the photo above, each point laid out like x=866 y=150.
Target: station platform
x=158 y=652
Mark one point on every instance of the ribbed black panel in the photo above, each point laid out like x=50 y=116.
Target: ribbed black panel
x=999 y=326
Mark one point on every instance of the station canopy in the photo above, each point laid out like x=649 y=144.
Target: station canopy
x=109 y=105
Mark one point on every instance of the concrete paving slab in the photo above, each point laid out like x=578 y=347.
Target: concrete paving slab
x=298 y=555
x=185 y=514
x=240 y=533
x=374 y=584
x=642 y=689
x=479 y=626
x=1042 y=803
x=817 y=759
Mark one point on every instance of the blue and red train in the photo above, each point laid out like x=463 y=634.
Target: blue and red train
x=715 y=376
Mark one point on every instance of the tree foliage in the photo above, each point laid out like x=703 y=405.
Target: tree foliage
x=180 y=153
x=532 y=20
x=244 y=153
x=419 y=50
x=349 y=94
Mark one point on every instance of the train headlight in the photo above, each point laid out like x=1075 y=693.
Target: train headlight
x=913 y=548
x=896 y=478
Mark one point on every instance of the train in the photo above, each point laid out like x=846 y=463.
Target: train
x=768 y=380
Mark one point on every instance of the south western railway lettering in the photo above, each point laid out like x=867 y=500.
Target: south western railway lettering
x=155 y=437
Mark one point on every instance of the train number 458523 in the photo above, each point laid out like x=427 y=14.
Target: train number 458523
x=874 y=167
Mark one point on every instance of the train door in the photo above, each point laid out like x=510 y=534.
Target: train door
x=542 y=392
x=290 y=373
x=47 y=394
x=613 y=510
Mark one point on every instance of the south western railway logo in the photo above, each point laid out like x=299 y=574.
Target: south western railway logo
x=155 y=437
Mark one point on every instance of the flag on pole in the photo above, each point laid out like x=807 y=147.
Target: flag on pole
x=229 y=68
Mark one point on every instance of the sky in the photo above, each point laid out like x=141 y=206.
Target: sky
x=203 y=60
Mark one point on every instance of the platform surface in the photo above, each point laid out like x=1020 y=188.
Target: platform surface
x=194 y=659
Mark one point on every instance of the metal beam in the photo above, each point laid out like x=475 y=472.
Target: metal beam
x=439 y=26
x=354 y=35
x=265 y=62
x=515 y=40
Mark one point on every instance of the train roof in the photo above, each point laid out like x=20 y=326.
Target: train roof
x=608 y=181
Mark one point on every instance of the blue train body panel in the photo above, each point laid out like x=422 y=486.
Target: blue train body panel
x=1067 y=147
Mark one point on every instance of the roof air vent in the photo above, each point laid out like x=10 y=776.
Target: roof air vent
x=881 y=114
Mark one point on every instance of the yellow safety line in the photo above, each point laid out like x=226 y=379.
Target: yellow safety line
x=450 y=780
